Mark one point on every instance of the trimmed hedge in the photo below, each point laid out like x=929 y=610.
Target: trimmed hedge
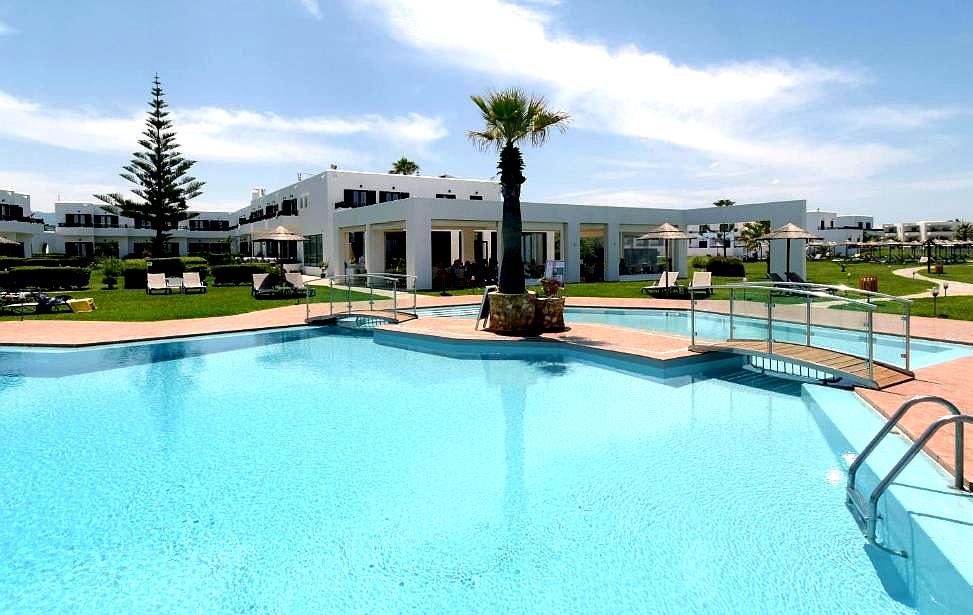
x=44 y=278
x=726 y=267
x=238 y=274
x=8 y=262
x=133 y=273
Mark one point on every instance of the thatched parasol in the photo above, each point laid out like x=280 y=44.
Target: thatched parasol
x=668 y=233
x=788 y=232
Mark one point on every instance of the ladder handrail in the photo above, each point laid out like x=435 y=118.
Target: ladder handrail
x=890 y=424
x=483 y=303
x=921 y=441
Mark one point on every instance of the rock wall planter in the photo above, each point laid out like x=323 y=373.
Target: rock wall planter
x=549 y=314
x=512 y=313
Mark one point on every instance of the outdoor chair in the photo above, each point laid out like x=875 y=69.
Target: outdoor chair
x=192 y=283
x=702 y=281
x=262 y=285
x=156 y=282
x=297 y=281
x=776 y=277
x=666 y=284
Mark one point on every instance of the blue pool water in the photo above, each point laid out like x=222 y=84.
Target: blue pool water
x=716 y=326
x=328 y=473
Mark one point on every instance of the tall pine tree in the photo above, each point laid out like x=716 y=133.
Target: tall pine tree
x=159 y=174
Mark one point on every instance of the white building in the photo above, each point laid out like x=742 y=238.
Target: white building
x=86 y=229
x=17 y=224
x=308 y=207
x=833 y=227
x=920 y=230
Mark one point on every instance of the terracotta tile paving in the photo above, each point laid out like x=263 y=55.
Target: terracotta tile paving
x=604 y=337
x=950 y=380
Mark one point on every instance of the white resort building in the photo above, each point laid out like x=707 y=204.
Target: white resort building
x=18 y=225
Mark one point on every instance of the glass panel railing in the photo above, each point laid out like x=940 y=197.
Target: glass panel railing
x=362 y=294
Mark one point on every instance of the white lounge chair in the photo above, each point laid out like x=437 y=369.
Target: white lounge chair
x=668 y=281
x=156 y=282
x=297 y=281
x=192 y=283
x=923 y=260
x=260 y=285
x=702 y=281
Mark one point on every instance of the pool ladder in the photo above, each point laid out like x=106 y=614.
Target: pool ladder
x=865 y=511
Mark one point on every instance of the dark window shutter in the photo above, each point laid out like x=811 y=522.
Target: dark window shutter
x=370 y=197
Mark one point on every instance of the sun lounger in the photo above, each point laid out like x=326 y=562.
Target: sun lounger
x=192 y=283
x=667 y=283
x=262 y=285
x=702 y=281
x=297 y=281
x=156 y=282
x=776 y=277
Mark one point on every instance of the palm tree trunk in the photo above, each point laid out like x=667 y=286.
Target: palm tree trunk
x=511 y=178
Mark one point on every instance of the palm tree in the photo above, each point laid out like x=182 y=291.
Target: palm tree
x=964 y=231
x=724 y=228
x=750 y=234
x=404 y=166
x=511 y=117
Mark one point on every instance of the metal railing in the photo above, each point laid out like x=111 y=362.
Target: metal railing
x=382 y=292
x=790 y=296
x=866 y=513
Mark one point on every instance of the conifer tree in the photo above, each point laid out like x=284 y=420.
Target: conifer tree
x=160 y=176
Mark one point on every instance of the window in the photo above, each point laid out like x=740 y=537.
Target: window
x=385 y=196
x=11 y=212
x=821 y=225
x=104 y=221
x=868 y=225
x=445 y=196
x=288 y=207
x=359 y=198
x=313 y=250
x=476 y=197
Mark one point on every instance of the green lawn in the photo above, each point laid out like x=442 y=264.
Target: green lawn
x=135 y=305
x=953 y=273
x=820 y=272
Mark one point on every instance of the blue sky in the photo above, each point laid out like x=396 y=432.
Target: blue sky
x=861 y=109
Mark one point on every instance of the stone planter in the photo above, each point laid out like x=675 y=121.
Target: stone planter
x=512 y=313
x=549 y=314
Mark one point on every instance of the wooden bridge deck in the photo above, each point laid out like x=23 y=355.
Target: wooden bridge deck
x=841 y=364
x=388 y=316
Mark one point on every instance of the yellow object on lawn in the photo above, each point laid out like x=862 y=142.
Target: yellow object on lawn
x=82 y=305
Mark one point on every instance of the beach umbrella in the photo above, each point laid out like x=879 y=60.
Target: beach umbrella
x=667 y=232
x=281 y=233
x=788 y=232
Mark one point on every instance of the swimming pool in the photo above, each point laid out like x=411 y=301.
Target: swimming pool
x=716 y=326
x=303 y=471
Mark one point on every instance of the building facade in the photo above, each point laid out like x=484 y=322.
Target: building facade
x=920 y=230
x=18 y=225
x=86 y=229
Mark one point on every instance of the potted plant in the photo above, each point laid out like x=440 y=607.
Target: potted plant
x=549 y=308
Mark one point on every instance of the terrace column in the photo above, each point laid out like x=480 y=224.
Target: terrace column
x=374 y=250
x=571 y=248
x=612 y=251
x=418 y=249
x=467 y=253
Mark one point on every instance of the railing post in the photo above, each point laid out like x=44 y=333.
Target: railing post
x=348 y=296
x=331 y=297
x=371 y=296
x=770 y=323
x=958 y=450
x=731 y=313
x=692 y=317
x=395 y=298
x=871 y=349
x=807 y=326
x=908 y=332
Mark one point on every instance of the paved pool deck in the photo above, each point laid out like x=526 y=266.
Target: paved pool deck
x=951 y=379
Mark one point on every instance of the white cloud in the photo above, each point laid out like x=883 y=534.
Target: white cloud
x=6 y=29
x=898 y=117
x=45 y=189
x=744 y=112
x=216 y=134
x=312 y=7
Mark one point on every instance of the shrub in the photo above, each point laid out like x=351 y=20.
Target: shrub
x=218 y=259
x=699 y=262
x=238 y=274
x=45 y=278
x=6 y=262
x=171 y=266
x=133 y=273
x=111 y=270
x=726 y=267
